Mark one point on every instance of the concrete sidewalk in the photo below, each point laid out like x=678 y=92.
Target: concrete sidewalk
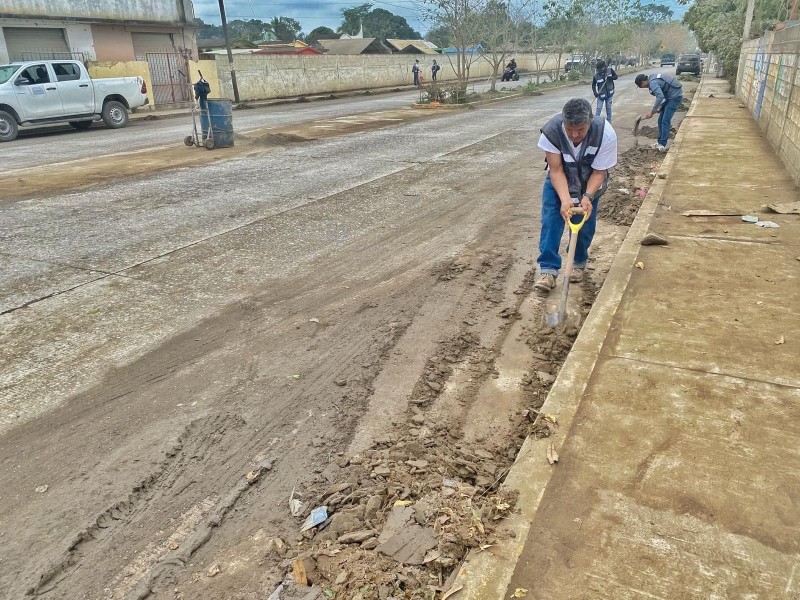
x=679 y=406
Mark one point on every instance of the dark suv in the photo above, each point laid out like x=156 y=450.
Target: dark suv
x=668 y=59
x=688 y=63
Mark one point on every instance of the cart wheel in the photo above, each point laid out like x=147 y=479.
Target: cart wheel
x=189 y=140
x=209 y=144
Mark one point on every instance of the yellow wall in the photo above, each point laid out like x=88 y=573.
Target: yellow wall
x=128 y=68
x=209 y=70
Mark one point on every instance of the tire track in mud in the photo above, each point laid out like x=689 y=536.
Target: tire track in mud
x=185 y=461
x=398 y=297
x=426 y=468
x=192 y=446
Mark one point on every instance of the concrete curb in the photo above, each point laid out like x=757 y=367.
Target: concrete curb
x=484 y=575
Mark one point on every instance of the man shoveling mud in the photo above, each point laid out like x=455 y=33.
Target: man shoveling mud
x=669 y=94
x=580 y=149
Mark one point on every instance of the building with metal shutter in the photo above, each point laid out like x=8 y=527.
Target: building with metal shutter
x=95 y=30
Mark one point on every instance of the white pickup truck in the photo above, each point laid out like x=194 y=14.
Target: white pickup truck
x=52 y=91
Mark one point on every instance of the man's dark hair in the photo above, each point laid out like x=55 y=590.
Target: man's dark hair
x=640 y=78
x=600 y=65
x=577 y=112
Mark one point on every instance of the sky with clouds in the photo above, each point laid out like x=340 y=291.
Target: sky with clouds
x=313 y=14
x=309 y=14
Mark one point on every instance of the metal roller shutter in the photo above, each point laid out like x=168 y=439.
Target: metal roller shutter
x=36 y=43
x=151 y=43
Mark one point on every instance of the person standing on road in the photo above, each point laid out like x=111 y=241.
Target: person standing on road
x=434 y=69
x=415 y=72
x=669 y=94
x=603 y=87
x=579 y=150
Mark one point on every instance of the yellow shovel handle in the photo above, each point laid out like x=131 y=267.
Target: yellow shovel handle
x=576 y=227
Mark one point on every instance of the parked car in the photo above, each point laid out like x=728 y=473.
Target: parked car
x=576 y=61
x=56 y=91
x=688 y=63
x=668 y=59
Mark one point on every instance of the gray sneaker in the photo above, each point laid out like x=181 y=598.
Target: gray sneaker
x=577 y=275
x=545 y=283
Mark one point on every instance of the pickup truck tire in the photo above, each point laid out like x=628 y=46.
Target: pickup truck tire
x=115 y=115
x=8 y=127
x=81 y=125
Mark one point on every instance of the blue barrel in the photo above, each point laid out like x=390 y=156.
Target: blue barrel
x=219 y=112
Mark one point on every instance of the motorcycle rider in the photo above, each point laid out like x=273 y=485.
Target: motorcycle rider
x=511 y=71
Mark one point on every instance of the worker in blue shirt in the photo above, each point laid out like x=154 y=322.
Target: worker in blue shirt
x=669 y=94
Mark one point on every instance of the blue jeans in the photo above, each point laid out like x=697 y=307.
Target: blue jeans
x=600 y=102
x=665 y=119
x=553 y=229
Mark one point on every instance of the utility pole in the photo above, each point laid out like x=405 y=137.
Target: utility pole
x=748 y=19
x=230 y=54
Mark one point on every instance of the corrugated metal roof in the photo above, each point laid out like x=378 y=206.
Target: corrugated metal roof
x=354 y=46
x=403 y=46
x=288 y=50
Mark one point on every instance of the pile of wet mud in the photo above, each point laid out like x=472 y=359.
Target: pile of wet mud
x=276 y=139
x=628 y=185
x=652 y=132
x=404 y=513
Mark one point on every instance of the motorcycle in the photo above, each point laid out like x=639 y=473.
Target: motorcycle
x=510 y=75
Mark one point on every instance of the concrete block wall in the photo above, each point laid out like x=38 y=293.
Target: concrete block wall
x=768 y=83
x=123 y=68
x=266 y=77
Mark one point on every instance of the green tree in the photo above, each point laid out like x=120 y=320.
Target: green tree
x=500 y=27
x=380 y=23
x=285 y=29
x=461 y=19
x=440 y=35
x=353 y=17
x=719 y=24
x=207 y=31
x=654 y=13
x=320 y=33
x=564 y=25
x=251 y=29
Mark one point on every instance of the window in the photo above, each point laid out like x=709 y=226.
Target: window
x=67 y=71
x=33 y=75
x=6 y=71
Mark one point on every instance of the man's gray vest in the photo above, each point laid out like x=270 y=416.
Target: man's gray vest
x=670 y=86
x=578 y=169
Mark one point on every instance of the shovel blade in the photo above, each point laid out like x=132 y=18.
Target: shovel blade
x=554 y=319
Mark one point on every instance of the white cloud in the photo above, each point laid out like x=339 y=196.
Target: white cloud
x=309 y=14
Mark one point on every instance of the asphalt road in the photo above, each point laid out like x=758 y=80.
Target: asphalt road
x=68 y=244
x=55 y=144
x=48 y=145
x=45 y=146
x=165 y=334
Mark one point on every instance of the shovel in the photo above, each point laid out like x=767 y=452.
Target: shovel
x=557 y=317
x=636 y=131
x=636 y=128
